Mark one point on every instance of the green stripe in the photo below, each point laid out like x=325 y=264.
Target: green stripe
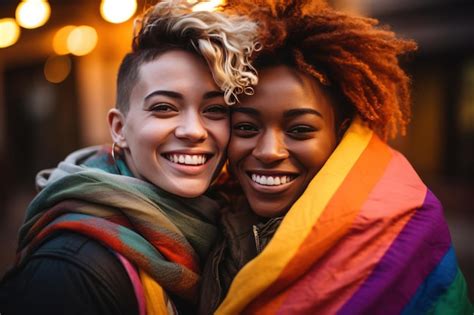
x=455 y=300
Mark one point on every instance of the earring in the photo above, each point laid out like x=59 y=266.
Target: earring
x=114 y=147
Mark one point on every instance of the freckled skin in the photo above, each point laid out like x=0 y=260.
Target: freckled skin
x=175 y=108
x=286 y=128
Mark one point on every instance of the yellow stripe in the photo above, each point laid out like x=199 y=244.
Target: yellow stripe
x=155 y=297
x=262 y=271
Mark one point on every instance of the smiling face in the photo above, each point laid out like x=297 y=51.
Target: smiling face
x=177 y=127
x=281 y=137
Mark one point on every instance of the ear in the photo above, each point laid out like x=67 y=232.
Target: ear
x=116 y=121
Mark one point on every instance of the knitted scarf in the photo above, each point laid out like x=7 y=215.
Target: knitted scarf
x=165 y=236
x=366 y=237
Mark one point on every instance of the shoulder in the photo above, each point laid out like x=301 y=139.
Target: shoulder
x=70 y=272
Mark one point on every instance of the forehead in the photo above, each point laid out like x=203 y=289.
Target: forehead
x=282 y=88
x=175 y=70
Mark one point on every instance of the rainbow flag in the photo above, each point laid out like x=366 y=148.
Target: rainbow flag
x=366 y=237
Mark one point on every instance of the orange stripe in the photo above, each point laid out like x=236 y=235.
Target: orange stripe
x=334 y=223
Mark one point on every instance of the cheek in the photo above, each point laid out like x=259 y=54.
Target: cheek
x=220 y=131
x=239 y=149
x=152 y=136
x=313 y=154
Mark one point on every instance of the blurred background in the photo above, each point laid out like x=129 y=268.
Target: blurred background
x=57 y=82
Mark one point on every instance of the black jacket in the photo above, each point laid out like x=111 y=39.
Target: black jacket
x=68 y=274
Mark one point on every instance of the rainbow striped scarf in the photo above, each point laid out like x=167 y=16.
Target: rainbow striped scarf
x=366 y=237
x=165 y=236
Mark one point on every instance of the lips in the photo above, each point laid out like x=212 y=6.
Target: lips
x=187 y=159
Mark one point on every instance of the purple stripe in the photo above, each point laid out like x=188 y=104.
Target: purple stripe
x=416 y=251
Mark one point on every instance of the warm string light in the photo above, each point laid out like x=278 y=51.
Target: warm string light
x=60 y=40
x=70 y=39
x=118 y=11
x=32 y=13
x=82 y=40
x=76 y=40
x=9 y=32
x=57 y=68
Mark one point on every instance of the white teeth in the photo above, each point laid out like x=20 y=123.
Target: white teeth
x=187 y=159
x=270 y=180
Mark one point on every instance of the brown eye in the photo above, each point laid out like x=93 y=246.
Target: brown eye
x=163 y=108
x=301 y=129
x=216 y=112
x=245 y=127
x=218 y=109
x=301 y=132
x=245 y=130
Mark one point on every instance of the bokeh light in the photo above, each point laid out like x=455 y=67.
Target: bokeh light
x=118 y=11
x=9 y=32
x=82 y=40
x=208 y=5
x=60 y=40
x=57 y=68
x=32 y=13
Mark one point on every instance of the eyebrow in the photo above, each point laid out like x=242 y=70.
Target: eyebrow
x=288 y=114
x=301 y=111
x=164 y=93
x=180 y=96
x=245 y=110
x=213 y=94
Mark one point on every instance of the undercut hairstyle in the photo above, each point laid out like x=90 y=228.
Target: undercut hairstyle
x=225 y=42
x=351 y=55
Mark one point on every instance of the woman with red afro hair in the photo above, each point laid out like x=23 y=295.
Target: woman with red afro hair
x=327 y=218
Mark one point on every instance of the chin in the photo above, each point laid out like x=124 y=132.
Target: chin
x=189 y=191
x=185 y=187
x=269 y=210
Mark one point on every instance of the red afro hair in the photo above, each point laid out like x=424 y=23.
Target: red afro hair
x=351 y=54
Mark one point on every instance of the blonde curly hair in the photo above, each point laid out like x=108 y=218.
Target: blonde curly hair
x=226 y=42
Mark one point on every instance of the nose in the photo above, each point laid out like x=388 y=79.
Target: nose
x=270 y=148
x=191 y=127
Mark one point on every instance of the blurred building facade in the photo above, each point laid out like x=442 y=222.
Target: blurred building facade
x=41 y=122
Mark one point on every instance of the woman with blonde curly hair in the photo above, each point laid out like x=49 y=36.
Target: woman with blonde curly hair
x=329 y=218
x=125 y=230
